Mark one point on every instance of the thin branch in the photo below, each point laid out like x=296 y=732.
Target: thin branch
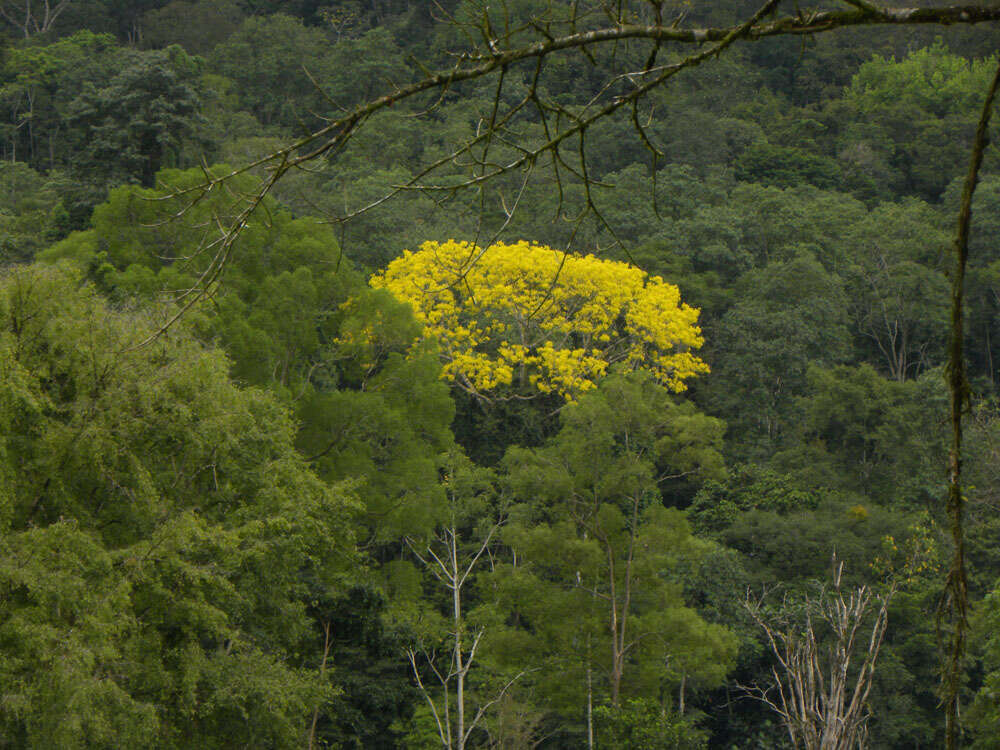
x=489 y=704
x=437 y=718
x=865 y=6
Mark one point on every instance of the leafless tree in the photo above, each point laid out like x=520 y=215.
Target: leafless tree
x=826 y=650
x=452 y=559
x=31 y=17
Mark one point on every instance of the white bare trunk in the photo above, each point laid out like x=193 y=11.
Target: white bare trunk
x=821 y=704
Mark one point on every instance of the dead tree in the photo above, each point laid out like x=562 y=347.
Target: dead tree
x=826 y=650
x=32 y=17
x=452 y=560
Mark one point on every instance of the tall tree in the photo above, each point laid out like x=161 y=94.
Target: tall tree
x=447 y=643
x=897 y=289
x=137 y=123
x=594 y=547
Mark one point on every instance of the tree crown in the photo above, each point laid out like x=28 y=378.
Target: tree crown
x=526 y=319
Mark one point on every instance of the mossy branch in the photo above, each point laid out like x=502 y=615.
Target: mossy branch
x=955 y=605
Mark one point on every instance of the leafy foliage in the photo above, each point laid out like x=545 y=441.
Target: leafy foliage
x=594 y=585
x=201 y=550
x=643 y=725
x=157 y=525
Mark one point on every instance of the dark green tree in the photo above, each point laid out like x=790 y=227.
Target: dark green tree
x=128 y=128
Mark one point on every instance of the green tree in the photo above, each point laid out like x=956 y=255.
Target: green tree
x=196 y=25
x=265 y=57
x=595 y=553
x=718 y=503
x=643 y=725
x=32 y=213
x=860 y=432
x=924 y=106
x=984 y=275
x=782 y=166
x=791 y=314
x=158 y=530
x=984 y=714
x=368 y=396
x=39 y=82
x=370 y=405
x=139 y=121
x=897 y=290
x=100 y=113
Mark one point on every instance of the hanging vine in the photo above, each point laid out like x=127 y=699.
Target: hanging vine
x=955 y=604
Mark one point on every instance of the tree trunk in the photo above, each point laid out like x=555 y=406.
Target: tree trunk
x=590 y=709
x=459 y=666
x=322 y=672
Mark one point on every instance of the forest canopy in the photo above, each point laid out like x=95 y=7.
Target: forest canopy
x=282 y=465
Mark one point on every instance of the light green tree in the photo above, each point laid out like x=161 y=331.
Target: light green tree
x=158 y=533
x=592 y=579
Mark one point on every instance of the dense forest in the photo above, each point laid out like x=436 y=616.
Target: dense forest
x=491 y=424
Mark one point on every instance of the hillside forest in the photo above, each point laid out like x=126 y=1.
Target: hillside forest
x=591 y=393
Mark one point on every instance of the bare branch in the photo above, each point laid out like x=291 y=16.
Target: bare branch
x=821 y=701
x=441 y=726
x=473 y=65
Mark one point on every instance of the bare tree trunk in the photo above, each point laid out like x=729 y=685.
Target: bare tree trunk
x=616 y=665
x=459 y=667
x=820 y=704
x=322 y=672
x=590 y=705
x=680 y=697
x=620 y=611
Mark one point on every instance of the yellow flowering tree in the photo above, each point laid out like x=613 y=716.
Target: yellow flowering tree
x=523 y=320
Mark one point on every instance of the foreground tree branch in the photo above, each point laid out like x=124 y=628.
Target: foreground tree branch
x=560 y=123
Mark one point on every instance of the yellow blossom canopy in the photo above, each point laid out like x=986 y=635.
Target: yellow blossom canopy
x=524 y=319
